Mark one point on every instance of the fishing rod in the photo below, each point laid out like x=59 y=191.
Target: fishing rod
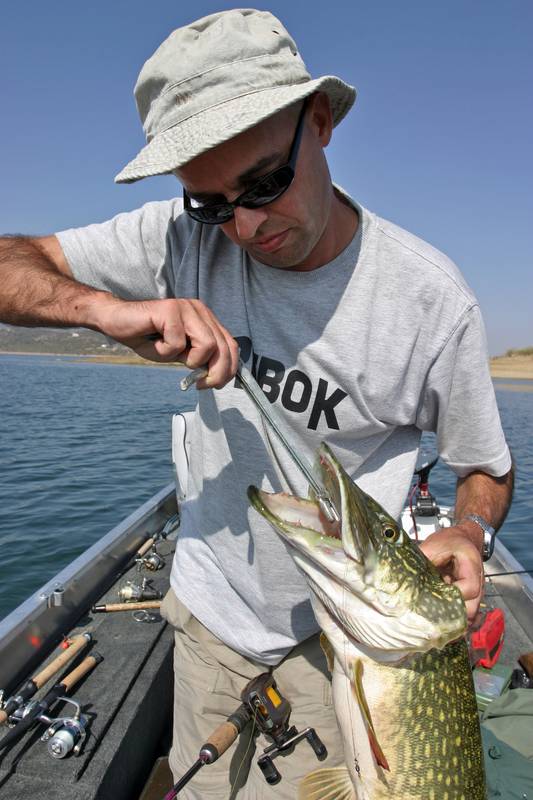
x=265 y=707
x=64 y=733
x=147 y=555
x=74 y=646
x=107 y=607
x=268 y=411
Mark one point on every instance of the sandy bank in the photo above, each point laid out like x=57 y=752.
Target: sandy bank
x=512 y=367
x=507 y=367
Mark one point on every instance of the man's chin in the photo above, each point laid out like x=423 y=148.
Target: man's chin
x=286 y=258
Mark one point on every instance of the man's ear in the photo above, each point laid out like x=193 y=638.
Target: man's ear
x=321 y=118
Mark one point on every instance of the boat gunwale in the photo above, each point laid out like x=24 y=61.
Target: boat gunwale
x=30 y=632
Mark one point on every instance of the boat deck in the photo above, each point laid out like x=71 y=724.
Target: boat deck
x=513 y=593
x=128 y=699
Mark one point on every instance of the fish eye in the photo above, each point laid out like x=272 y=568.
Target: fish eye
x=390 y=534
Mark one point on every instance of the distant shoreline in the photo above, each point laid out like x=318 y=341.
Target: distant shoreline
x=134 y=361
x=512 y=367
x=501 y=367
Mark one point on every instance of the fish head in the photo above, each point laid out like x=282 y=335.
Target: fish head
x=368 y=576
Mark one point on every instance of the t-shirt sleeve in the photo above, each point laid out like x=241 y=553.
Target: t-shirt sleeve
x=134 y=255
x=459 y=403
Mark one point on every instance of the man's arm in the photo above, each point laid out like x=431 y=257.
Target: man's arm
x=38 y=289
x=457 y=550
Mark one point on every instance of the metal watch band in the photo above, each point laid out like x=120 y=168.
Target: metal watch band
x=489 y=534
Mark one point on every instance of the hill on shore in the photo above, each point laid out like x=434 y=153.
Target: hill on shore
x=516 y=363
x=59 y=341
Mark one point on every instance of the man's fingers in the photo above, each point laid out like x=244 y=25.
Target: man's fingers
x=182 y=330
x=459 y=562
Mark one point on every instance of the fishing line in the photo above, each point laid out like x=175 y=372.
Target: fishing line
x=511 y=572
x=235 y=787
x=350 y=692
x=413 y=518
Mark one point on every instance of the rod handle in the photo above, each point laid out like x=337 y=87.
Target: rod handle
x=82 y=669
x=126 y=606
x=526 y=662
x=221 y=738
x=144 y=547
x=77 y=644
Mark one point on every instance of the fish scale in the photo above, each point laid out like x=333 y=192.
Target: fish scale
x=433 y=743
x=394 y=640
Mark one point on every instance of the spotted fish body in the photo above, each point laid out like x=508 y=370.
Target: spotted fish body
x=393 y=634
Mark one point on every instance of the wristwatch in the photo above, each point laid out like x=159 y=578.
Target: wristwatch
x=489 y=534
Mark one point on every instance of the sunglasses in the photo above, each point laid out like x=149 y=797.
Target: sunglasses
x=264 y=191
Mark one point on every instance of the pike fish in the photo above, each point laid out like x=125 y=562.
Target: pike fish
x=393 y=633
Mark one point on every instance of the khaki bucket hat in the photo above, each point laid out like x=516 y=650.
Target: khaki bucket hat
x=214 y=79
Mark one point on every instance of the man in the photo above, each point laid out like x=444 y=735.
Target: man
x=362 y=334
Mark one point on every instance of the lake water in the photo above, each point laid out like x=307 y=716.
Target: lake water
x=82 y=445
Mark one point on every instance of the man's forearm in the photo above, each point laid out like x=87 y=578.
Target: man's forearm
x=34 y=292
x=479 y=493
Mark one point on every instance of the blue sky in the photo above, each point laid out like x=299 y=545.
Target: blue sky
x=439 y=140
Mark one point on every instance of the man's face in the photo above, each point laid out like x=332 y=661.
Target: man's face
x=291 y=232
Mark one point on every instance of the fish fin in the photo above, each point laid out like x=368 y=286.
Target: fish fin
x=379 y=755
x=327 y=649
x=329 y=783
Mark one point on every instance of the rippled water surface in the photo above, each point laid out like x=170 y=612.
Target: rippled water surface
x=82 y=445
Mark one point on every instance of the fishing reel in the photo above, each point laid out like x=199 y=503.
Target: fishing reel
x=148 y=555
x=151 y=560
x=270 y=712
x=66 y=734
x=135 y=593
x=425 y=503
x=264 y=706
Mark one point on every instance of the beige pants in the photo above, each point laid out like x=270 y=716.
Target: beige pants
x=209 y=678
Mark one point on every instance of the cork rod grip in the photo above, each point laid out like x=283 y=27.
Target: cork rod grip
x=86 y=666
x=127 y=606
x=223 y=736
x=78 y=643
x=145 y=547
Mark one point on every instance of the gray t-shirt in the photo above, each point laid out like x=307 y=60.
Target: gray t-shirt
x=365 y=352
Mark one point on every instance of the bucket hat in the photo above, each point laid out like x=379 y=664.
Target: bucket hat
x=215 y=78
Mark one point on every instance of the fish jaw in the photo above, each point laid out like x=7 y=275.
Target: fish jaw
x=367 y=573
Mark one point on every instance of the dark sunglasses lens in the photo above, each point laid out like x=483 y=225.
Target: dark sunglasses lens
x=268 y=188
x=211 y=215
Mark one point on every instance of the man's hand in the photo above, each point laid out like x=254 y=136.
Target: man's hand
x=188 y=331
x=456 y=551
x=38 y=288
x=459 y=561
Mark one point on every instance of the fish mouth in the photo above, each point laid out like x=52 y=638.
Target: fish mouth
x=357 y=528
x=303 y=523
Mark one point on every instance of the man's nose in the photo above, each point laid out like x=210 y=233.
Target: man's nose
x=248 y=220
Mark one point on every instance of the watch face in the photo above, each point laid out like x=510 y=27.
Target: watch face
x=488 y=544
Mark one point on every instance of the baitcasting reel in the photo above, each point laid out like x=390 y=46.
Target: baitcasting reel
x=269 y=711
